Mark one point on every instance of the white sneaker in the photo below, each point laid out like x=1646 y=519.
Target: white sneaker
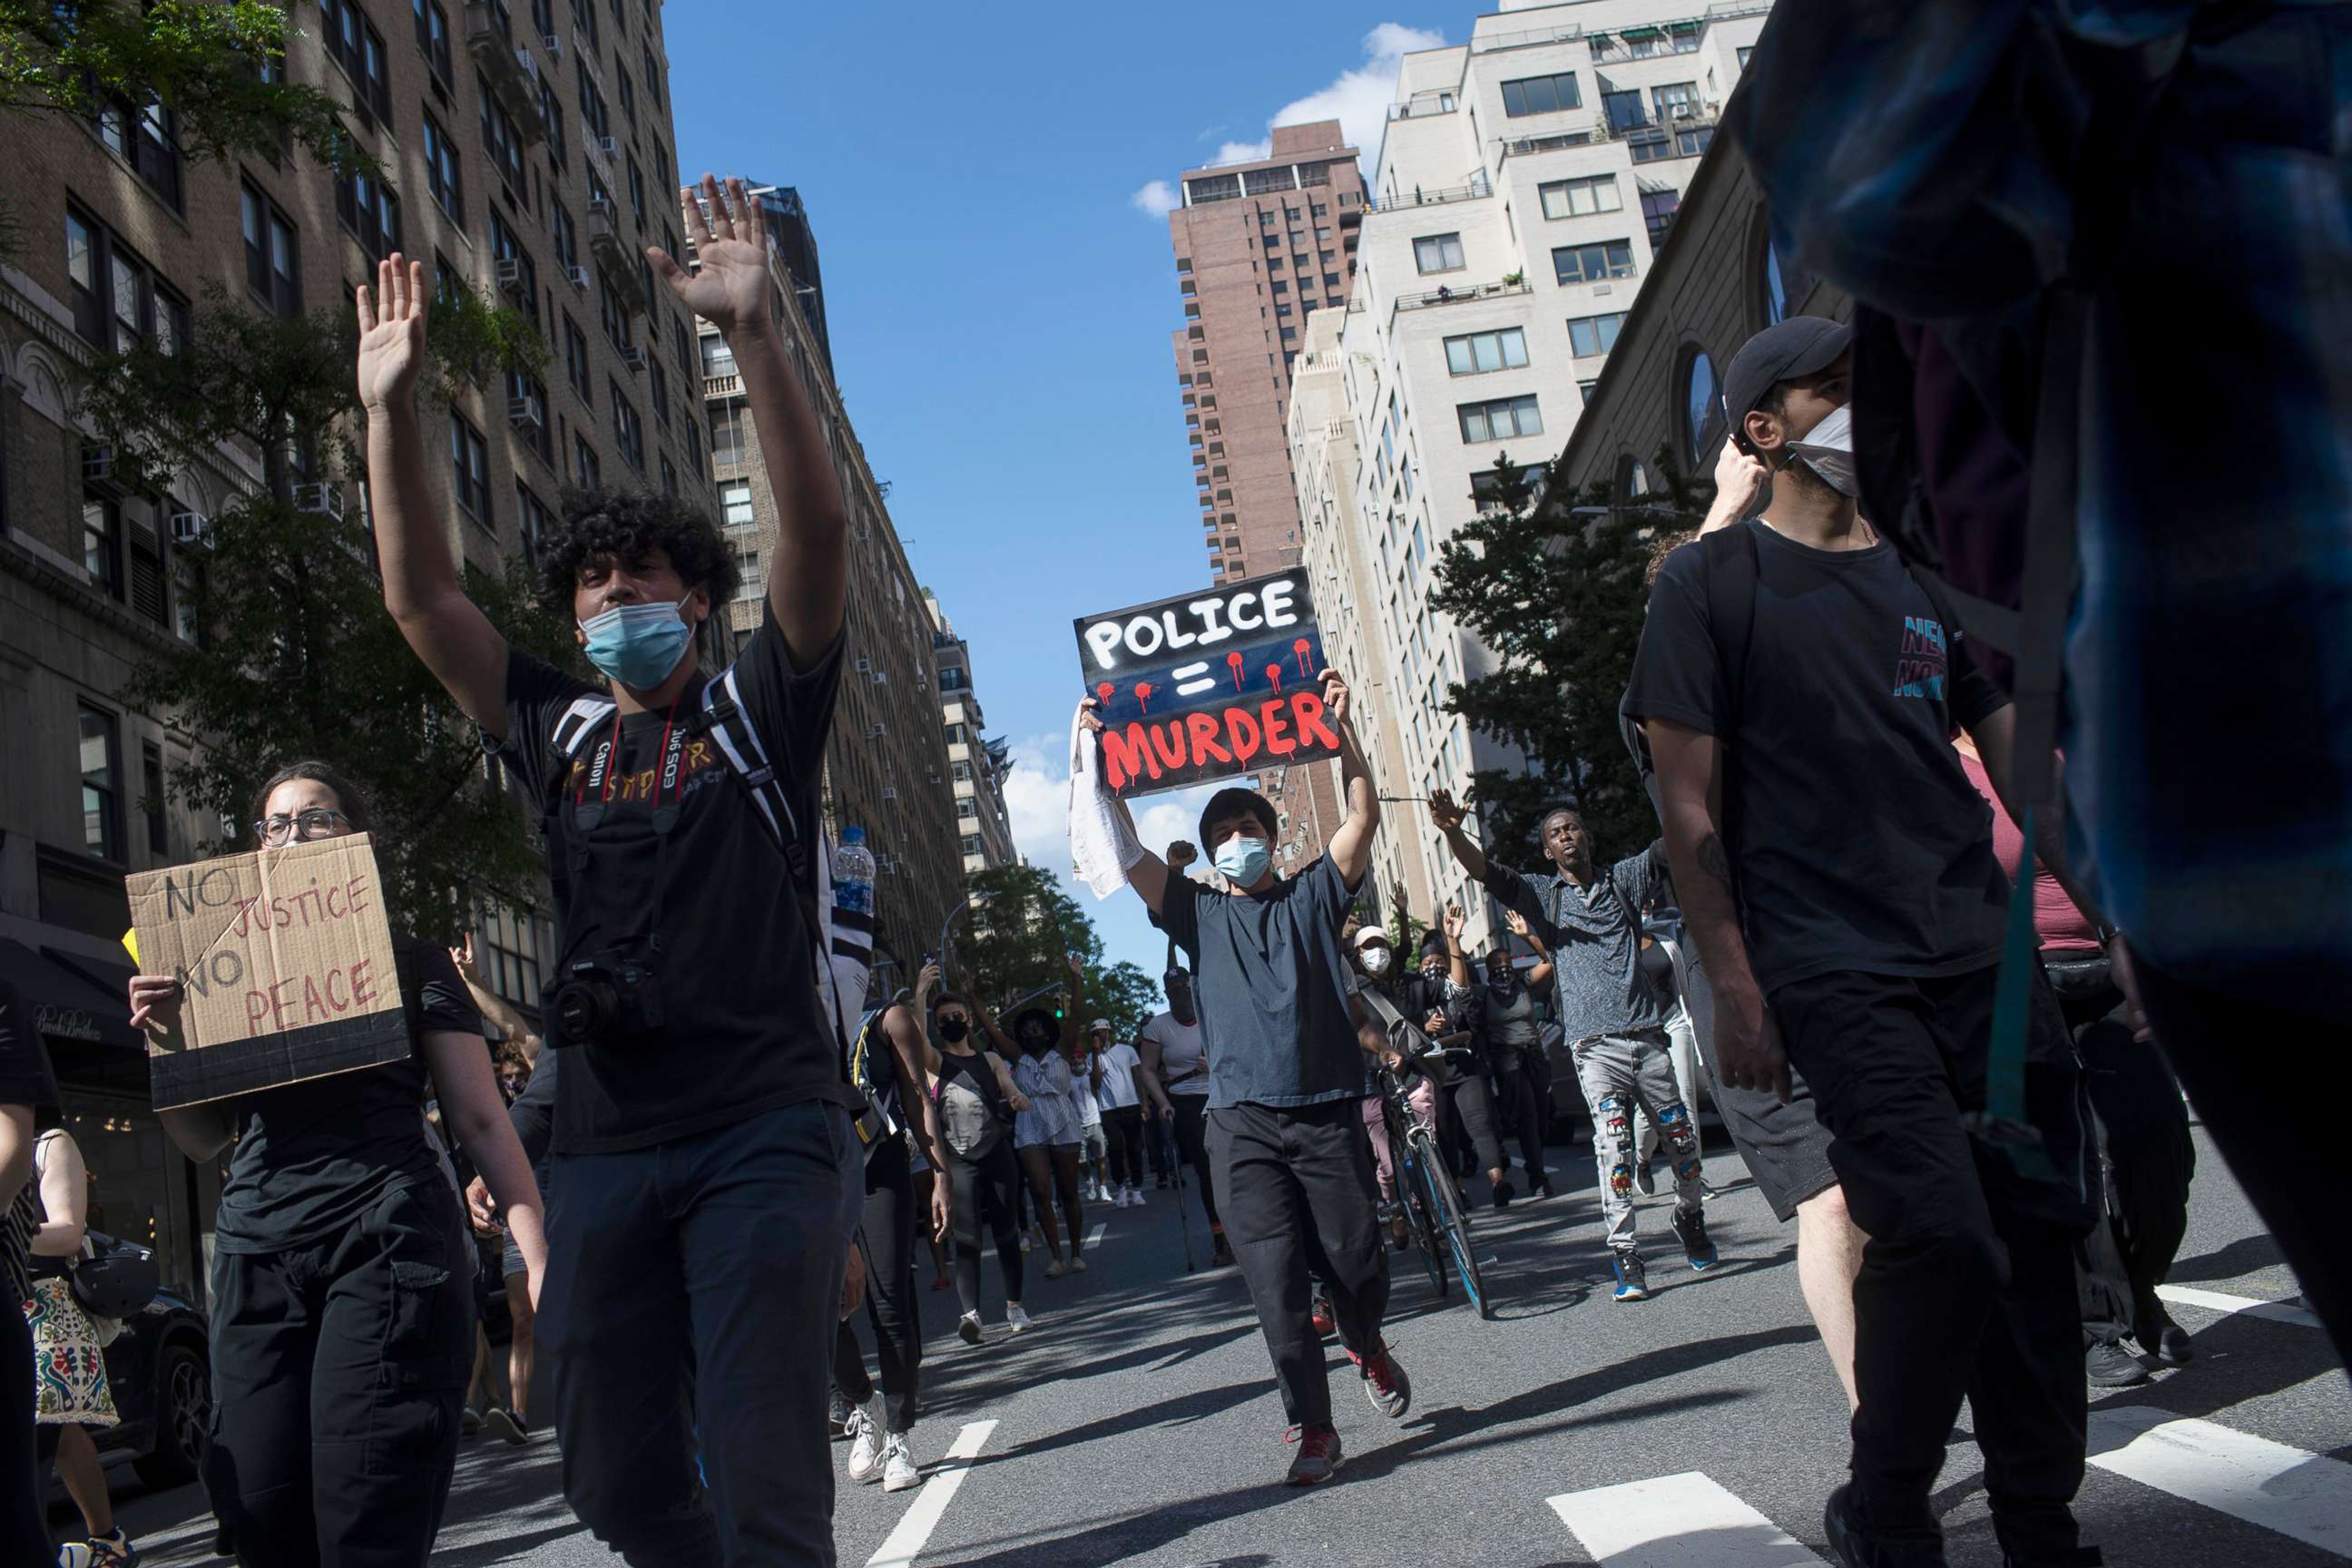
x=1015 y=1318
x=899 y=1472
x=1056 y=1269
x=968 y=1327
x=865 y=1445
x=75 y=1554
x=1134 y=1198
x=1024 y=1241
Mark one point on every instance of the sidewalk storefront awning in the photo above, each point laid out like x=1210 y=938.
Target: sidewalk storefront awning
x=73 y=997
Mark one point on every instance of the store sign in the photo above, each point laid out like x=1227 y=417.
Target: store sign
x=66 y=1023
x=1208 y=685
x=286 y=967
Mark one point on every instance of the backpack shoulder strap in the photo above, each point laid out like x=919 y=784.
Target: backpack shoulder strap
x=1730 y=557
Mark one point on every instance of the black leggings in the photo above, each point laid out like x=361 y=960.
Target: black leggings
x=990 y=1182
x=1191 y=1113
x=1123 y=1126
x=24 y=1526
x=1522 y=1105
x=1475 y=1102
x=885 y=1234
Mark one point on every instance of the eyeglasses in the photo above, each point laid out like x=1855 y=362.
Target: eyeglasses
x=318 y=822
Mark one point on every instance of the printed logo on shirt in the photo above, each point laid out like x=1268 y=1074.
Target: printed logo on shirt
x=638 y=785
x=1919 y=672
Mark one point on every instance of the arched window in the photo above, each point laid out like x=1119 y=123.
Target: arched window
x=1787 y=286
x=1633 y=480
x=1702 y=408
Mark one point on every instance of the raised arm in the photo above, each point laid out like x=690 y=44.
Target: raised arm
x=1352 y=847
x=1540 y=975
x=808 y=575
x=916 y=1062
x=421 y=586
x=1509 y=887
x=495 y=1007
x=1457 y=961
x=1690 y=795
x=1149 y=876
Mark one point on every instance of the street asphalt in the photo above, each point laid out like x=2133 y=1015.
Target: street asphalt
x=1138 y=1422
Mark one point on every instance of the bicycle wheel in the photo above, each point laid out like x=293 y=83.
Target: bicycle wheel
x=1413 y=1189
x=1453 y=1227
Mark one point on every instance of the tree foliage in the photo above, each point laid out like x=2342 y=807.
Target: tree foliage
x=297 y=656
x=1021 y=939
x=201 y=59
x=1557 y=586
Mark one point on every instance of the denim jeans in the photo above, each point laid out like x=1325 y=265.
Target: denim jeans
x=692 y=1294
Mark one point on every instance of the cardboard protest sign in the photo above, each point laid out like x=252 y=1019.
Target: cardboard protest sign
x=286 y=967
x=1208 y=684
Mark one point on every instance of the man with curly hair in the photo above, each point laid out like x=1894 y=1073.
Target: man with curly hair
x=702 y=1144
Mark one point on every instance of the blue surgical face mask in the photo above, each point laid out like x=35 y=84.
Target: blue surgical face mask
x=637 y=645
x=1242 y=860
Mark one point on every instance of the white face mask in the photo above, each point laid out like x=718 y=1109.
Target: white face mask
x=1828 y=449
x=1376 y=960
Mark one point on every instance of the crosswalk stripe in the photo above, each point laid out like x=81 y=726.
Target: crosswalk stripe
x=2240 y=1306
x=915 y=1526
x=1677 y=1522
x=2305 y=1496
x=1095 y=1235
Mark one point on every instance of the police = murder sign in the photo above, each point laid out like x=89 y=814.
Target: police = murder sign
x=1208 y=685
x=285 y=963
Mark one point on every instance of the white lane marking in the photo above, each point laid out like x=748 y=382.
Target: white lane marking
x=915 y=1526
x=1677 y=1522
x=1094 y=1235
x=2244 y=1306
x=2303 y=1495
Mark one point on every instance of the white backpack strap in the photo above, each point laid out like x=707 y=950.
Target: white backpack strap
x=576 y=724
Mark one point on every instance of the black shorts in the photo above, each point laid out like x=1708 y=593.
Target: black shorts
x=1785 y=1147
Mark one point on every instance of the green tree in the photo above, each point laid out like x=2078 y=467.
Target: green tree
x=201 y=59
x=1024 y=933
x=1557 y=585
x=296 y=655
x=1125 y=995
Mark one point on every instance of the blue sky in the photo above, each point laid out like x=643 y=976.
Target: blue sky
x=1000 y=295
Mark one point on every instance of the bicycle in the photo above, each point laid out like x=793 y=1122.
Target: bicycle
x=1426 y=1185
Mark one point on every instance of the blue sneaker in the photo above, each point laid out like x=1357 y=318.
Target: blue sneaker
x=1690 y=1229
x=1632 y=1284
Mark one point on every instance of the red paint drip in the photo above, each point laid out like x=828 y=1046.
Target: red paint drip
x=1300 y=648
x=1273 y=675
x=1143 y=695
x=1104 y=690
x=1234 y=660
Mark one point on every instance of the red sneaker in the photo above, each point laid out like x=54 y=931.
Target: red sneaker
x=1385 y=1384
x=1318 y=1454
x=1322 y=1317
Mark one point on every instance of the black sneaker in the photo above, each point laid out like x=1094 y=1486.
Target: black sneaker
x=1632 y=1282
x=2109 y=1365
x=1221 y=1256
x=1503 y=1193
x=836 y=1417
x=506 y=1425
x=1853 y=1544
x=1646 y=1179
x=2165 y=1340
x=1690 y=1229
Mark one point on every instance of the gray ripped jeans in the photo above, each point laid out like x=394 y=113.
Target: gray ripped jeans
x=1618 y=1073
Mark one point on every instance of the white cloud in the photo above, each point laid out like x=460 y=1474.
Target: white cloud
x=1037 y=800
x=1358 y=98
x=1242 y=152
x=1155 y=199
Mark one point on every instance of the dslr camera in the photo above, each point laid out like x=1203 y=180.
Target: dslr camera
x=608 y=996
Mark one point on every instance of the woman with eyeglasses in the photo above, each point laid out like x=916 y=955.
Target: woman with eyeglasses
x=343 y=1331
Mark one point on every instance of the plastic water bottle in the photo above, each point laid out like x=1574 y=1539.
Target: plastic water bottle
x=853 y=873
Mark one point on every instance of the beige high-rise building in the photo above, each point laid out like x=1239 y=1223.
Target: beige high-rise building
x=1527 y=182
x=526 y=150
x=885 y=767
x=977 y=766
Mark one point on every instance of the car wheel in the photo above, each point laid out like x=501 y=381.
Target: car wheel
x=184 y=1413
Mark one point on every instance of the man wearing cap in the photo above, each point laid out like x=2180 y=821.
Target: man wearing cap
x=1613 y=1018
x=1293 y=1175
x=1799 y=687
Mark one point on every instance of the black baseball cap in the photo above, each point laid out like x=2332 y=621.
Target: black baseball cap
x=1799 y=346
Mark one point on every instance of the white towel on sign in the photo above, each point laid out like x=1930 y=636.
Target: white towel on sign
x=1102 y=841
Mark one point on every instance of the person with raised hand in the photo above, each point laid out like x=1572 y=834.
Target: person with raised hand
x=703 y=1142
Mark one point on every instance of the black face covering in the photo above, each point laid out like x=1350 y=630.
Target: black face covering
x=1502 y=980
x=953 y=1029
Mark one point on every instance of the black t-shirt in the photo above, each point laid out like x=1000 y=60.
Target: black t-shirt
x=311 y=1157
x=744 y=1032
x=1861 y=844
x=1268 y=978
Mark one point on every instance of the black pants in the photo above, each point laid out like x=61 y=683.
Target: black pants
x=1968 y=1253
x=2232 y=1056
x=1124 y=1127
x=1298 y=1196
x=23 y=1527
x=691 y=1296
x=338 y=1369
x=1521 y=1110
x=885 y=1234
x=1192 y=1144
x=1474 y=1099
x=987 y=1188
x=2145 y=1160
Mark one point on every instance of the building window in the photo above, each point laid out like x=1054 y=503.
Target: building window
x=628 y=94
x=1541 y=94
x=101 y=787
x=431 y=36
x=972 y=844
x=1658 y=208
x=1501 y=419
x=735 y=504
x=531 y=422
x=116 y=301
x=1581 y=198
x=1675 y=100
x=151 y=799
x=657 y=377
x=726 y=433
x=445 y=176
x=469 y=462
x=717 y=359
x=1476 y=353
x=1786 y=285
x=101 y=545
x=583 y=17
x=567 y=238
x=668 y=476
x=1594 y=334
x=502 y=141
x=1438 y=253
x=585 y=470
x=1593 y=263
x=629 y=430
x=1702 y=408
x=1694 y=144
x=1623 y=109
x=613 y=313
x=1743 y=51
x=533 y=518
x=576 y=361
x=967 y=808
x=272 y=257
x=593 y=115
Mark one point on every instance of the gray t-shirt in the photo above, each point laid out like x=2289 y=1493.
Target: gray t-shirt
x=1594 y=935
x=1269 y=980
